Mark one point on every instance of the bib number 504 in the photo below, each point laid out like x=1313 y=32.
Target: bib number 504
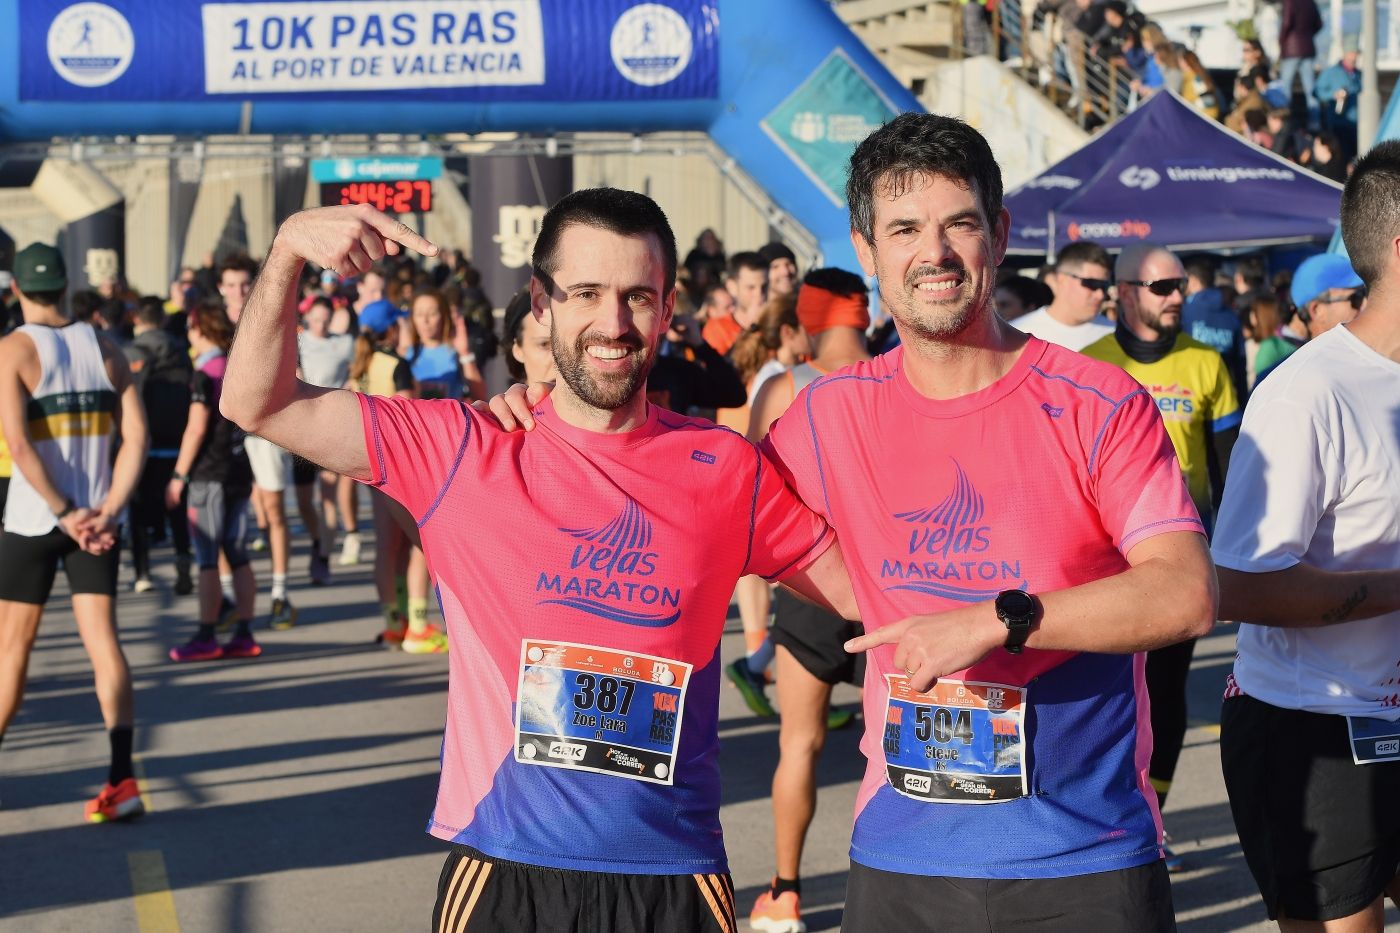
x=939 y=723
x=606 y=694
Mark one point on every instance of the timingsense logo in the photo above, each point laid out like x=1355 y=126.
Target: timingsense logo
x=950 y=553
x=610 y=571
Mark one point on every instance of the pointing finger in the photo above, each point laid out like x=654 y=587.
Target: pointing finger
x=883 y=636
x=400 y=232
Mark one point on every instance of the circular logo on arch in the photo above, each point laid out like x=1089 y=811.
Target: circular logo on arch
x=90 y=44
x=651 y=44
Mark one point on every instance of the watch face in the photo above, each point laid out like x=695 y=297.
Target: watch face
x=1016 y=603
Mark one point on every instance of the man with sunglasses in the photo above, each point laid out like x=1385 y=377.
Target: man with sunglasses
x=1326 y=291
x=1196 y=398
x=1080 y=280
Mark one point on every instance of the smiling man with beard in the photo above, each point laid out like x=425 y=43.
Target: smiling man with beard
x=584 y=571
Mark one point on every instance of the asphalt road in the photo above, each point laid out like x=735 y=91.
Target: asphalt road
x=291 y=792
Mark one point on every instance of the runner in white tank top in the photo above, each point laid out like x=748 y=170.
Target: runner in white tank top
x=70 y=416
x=65 y=397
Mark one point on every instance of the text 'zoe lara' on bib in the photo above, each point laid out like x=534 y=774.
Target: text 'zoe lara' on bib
x=957 y=743
x=597 y=709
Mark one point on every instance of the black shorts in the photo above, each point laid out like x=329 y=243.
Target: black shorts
x=1321 y=834
x=1129 y=900
x=303 y=471
x=28 y=565
x=477 y=894
x=817 y=639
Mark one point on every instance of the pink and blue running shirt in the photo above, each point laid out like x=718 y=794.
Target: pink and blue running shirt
x=1029 y=766
x=584 y=579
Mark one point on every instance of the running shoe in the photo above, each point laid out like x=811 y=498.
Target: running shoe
x=184 y=583
x=142 y=585
x=228 y=614
x=320 y=570
x=432 y=640
x=242 y=646
x=838 y=718
x=122 y=802
x=751 y=688
x=259 y=543
x=782 y=914
x=393 y=634
x=196 y=650
x=284 y=614
x=350 y=549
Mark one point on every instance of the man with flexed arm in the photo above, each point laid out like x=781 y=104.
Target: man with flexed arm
x=585 y=632
x=1023 y=506
x=1309 y=551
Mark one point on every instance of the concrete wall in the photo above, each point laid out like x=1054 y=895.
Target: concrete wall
x=1027 y=133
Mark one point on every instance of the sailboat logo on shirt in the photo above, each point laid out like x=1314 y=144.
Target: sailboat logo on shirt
x=948 y=549
x=610 y=567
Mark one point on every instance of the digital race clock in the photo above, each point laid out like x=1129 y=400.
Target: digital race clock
x=393 y=196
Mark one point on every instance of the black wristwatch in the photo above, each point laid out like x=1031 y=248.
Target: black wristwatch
x=67 y=510
x=1016 y=609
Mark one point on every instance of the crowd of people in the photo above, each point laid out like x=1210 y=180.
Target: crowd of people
x=1284 y=97
x=996 y=514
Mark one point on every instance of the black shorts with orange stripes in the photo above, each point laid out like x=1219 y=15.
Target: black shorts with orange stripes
x=477 y=893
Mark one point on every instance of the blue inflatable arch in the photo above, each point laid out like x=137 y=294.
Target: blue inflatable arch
x=781 y=85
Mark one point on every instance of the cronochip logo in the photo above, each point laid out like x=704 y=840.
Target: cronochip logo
x=1135 y=176
x=90 y=44
x=651 y=44
x=1123 y=230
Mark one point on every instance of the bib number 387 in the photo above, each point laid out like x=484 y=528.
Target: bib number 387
x=957 y=743
x=587 y=708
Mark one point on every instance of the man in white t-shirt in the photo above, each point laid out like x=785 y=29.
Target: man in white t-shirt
x=1080 y=281
x=1308 y=549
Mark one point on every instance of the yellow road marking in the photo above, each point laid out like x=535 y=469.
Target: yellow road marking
x=150 y=889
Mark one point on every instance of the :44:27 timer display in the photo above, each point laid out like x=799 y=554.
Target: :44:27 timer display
x=392 y=197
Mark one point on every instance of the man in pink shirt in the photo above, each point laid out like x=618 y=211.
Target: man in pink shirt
x=584 y=571
x=1018 y=533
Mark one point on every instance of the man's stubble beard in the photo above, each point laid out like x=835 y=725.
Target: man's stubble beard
x=609 y=394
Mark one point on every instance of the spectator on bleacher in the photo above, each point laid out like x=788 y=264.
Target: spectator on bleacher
x=977 y=33
x=1336 y=94
x=1325 y=157
x=1252 y=56
x=1301 y=21
x=1247 y=99
x=1287 y=139
x=1197 y=86
x=1163 y=70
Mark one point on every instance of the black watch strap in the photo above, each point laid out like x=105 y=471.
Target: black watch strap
x=67 y=509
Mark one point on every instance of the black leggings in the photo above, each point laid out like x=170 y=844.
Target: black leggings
x=1167 y=670
x=149 y=514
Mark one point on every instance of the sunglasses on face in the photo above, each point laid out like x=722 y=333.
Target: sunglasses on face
x=1094 y=285
x=1161 y=287
x=1356 y=299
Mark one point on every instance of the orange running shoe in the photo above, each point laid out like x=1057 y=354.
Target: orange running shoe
x=432 y=640
x=782 y=914
x=122 y=802
x=393 y=633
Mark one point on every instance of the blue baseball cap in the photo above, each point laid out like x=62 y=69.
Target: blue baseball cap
x=1319 y=274
x=379 y=315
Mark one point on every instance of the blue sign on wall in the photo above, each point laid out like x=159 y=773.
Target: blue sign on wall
x=376 y=169
x=460 y=50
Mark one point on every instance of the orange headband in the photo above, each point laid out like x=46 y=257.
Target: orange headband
x=819 y=310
